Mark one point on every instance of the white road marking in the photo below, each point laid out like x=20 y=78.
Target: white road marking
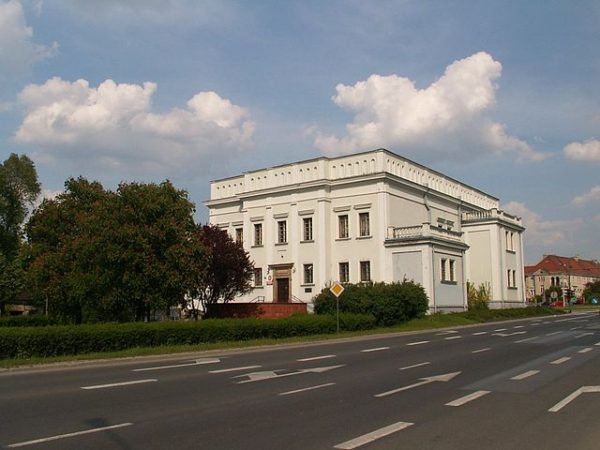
x=482 y=350
x=234 y=369
x=449 y=338
x=520 y=326
x=480 y=333
x=444 y=378
x=373 y=436
x=501 y=329
x=514 y=333
x=535 y=324
x=415 y=365
x=561 y=360
x=446 y=332
x=423 y=342
x=583 y=335
x=467 y=398
x=574 y=328
x=553 y=333
x=314 y=358
x=319 y=386
x=68 y=435
x=378 y=349
x=269 y=375
x=597 y=344
x=582 y=390
x=194 y=363
x=526 y=339
x=585 y=350
x=124 y=383
x=524 y=375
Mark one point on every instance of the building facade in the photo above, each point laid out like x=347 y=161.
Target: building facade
x=565 y=272
x=372 y=216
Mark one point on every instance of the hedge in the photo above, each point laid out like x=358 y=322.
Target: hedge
x=25 y=342
x=26 y=321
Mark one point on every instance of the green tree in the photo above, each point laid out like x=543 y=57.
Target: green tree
x=97 y=255
x=19 y=187
x=228 y=271
x=592 y=290
x=548 y=293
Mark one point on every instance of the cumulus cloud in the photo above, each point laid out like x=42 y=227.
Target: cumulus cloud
x=583 y=151
x=540 y=232
x=593 y=195
x=446 y=119
x=114 y=125
x=18 y=51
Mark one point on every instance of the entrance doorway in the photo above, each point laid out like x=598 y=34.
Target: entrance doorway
x=283 y=290
x=282 y=280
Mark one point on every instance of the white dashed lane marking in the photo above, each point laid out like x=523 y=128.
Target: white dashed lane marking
x=378 y=349
x=467 y=398
x=524 y=375
x=418 y=343
x=481 y=350
x=373 y=436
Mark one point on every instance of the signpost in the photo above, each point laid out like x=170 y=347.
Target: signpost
x=337 y=289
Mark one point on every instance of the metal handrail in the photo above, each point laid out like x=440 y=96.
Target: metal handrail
x=258 y=299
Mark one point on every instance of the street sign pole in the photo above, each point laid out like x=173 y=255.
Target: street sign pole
x=337 y=289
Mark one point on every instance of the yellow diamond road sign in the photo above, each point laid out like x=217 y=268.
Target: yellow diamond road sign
x=336 y=289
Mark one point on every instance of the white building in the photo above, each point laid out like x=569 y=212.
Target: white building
x=372 y=216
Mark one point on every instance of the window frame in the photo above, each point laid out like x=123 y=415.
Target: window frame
x=282 y=237
x=364 y=224
x=308 y=274
x=258 y=234
x=307 y=229
x=258 y=270
x=343 y=226
x=362 y=265
x=346 y=278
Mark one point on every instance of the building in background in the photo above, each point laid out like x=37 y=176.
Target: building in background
x=372 y=216
x=567 y=273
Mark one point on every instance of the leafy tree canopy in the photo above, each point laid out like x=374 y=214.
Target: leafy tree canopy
x=229 y=269
x=19 y=187
x=98 y=255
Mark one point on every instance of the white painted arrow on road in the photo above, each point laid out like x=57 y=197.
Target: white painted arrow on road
x=582 y=390
x=271 y=374
x=195 y=362
x=444 y=378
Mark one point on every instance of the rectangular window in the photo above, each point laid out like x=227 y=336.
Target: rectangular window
x=514 y=278
x=282 y=232
x=343 y=227
x=258 y=278
x=258 y=234
x=443 y=269
x=307 y=229
x=344 y=272
x=508 y=277
x=364 y=227
x=452 y=276
x=308 y=274
x=239 y=235
x=365 y=271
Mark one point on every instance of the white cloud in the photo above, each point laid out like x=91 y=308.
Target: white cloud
x=583 y=151
x=113 y=125
x=540 y=232
x=592 y=196
x=447 y=119
x=18 y=51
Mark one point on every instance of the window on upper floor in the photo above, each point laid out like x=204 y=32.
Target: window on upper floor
x=239 y=235
x=258 y=232
x=343 y=230
x=307 y=229
x=282 y=232
x=364 y=225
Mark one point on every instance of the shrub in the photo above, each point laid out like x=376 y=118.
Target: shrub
x=26 y=321
x=389 y=304
x=25 y=342
x=478 y=298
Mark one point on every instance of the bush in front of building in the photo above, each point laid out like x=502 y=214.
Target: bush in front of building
x=26 y=321
x=388 y=303
x=26 y=342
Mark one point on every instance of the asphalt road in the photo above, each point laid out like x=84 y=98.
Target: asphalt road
x=528 y=384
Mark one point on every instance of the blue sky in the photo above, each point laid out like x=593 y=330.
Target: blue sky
x=502 y=95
